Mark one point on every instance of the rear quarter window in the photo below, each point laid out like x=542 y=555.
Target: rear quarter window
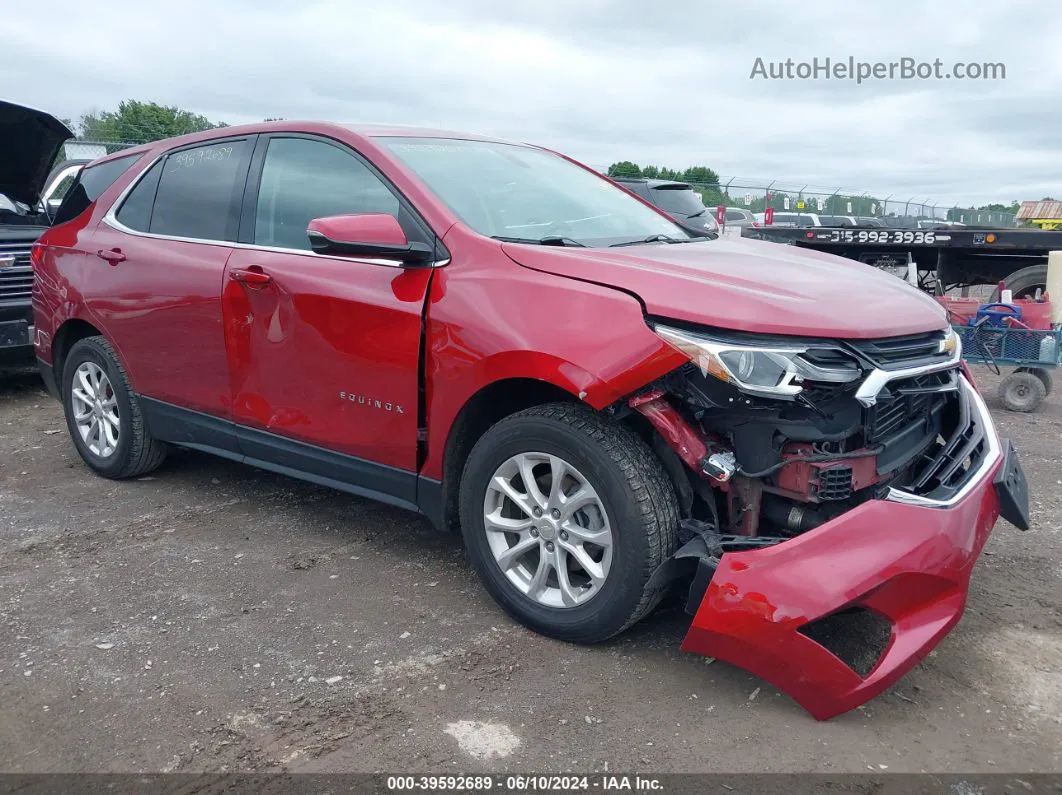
x=135 y=211
x=90 y=184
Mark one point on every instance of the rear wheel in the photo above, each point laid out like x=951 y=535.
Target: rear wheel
x=1028 y=282
x=565 y=516
x=103 y=415
x=1022 y=391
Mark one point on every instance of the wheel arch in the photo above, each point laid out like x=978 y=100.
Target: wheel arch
x=489 y=405
x=66 y=336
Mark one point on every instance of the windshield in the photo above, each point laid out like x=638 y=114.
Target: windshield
x=681 y=199
x=518 y=192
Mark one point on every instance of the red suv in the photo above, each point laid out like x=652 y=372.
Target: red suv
x=503 y=340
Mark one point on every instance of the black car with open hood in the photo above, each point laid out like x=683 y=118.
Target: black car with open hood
x=30 y=142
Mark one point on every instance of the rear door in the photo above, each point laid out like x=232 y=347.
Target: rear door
x=324 y=351
x=157 y=284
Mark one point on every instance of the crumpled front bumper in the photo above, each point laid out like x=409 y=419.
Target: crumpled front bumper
x=908 y=564
x=905 y=560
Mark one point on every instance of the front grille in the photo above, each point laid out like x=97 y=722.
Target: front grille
x=946 y=466
x=908 y=401
x=890 y=416
x=16 y=278
x=894 y=353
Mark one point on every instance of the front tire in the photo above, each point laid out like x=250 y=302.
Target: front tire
x=103 y=414
x=571 y=554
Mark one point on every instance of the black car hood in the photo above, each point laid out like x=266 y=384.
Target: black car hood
x=29 y=143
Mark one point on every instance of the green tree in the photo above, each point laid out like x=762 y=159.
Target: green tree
x=651 y=172
x=624 y=168
x=139 y=122
x=702 y=175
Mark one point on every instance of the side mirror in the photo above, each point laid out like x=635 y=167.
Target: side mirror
x=375 y=235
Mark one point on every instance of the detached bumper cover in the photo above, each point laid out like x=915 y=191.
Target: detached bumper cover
x=907 y=564
x=911 y=565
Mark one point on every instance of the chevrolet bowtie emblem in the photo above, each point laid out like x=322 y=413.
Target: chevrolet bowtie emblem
x=6 y=261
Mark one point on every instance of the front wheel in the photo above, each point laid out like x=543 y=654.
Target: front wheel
x=565 y=516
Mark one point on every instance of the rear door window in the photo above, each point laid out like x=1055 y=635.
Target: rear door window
x=90 y=185
x=199 y=192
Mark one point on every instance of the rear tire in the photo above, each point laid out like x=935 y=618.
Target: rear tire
x=634 y=512
x=103 y=414
x=1028 y=282
x=1022 y=391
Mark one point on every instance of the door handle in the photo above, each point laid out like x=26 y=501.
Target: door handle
x=252 y=278
x=112 y=255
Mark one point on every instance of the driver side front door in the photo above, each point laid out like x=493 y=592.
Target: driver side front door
x=324 y=351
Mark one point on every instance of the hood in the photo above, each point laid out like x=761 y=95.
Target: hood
x=748 y=285
x=29 y=143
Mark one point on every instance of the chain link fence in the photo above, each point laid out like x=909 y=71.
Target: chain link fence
x=83 y=149
x=756 y=195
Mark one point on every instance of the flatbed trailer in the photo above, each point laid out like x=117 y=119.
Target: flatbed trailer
x=945 y=259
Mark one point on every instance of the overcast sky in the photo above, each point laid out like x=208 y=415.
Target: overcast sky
x=664 y=82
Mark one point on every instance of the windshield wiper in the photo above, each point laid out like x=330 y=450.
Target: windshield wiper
x=650 y=239
x=548 y=240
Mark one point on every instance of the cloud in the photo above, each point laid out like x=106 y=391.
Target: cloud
x=664 y=83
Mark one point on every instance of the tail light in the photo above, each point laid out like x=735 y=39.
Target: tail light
x=36 y=255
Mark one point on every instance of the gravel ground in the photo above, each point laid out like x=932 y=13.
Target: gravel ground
x=212 y=617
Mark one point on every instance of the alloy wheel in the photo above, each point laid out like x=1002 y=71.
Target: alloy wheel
x=548 y=530
x=95 y=409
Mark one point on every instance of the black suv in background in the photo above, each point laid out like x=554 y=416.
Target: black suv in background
x=30 y=141
x=677 y=199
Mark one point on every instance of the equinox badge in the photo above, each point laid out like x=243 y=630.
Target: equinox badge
x=371 y=402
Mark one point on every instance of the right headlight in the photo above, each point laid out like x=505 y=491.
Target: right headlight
x=772 y=370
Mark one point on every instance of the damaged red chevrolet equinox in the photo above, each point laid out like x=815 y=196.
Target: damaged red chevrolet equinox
x=605 y=405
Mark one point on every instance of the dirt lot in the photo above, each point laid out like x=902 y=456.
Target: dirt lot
x=213 y=617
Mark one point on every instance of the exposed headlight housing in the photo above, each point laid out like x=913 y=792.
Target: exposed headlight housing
x=772 y=370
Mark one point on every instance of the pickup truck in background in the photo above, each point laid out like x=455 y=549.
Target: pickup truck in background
x=949 y=258
x=31 y=188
